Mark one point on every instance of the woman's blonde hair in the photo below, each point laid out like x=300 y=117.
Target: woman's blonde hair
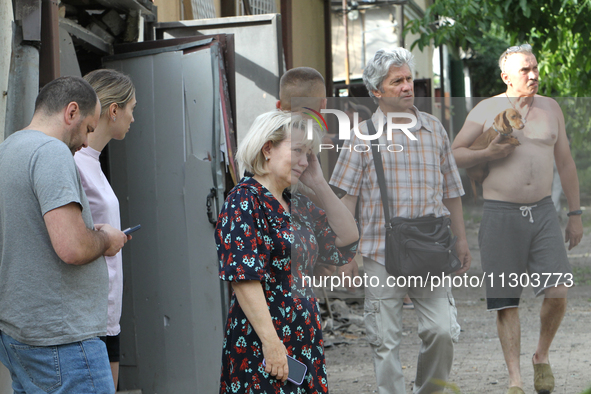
x=111 y=87
x=274 y=126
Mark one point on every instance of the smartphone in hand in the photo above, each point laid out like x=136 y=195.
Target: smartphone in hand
x=130 y=230
x=297 y=370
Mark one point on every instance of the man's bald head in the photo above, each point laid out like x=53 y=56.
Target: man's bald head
x=301 y=82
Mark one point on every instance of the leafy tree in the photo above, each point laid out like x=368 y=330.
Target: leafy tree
x=483 y=65
x=559 y=31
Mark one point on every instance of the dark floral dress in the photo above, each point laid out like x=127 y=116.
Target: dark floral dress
x=258 y=240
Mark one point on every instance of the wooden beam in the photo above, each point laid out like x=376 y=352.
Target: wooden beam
x=286 y=33
x=187 y=11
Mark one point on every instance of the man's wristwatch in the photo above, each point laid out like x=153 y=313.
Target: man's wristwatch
x=577 y=212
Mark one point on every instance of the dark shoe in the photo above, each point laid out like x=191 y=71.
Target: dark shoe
x=543 y=378
x=515 y=390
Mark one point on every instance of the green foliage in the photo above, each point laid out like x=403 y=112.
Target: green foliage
x=584 y=174
x=577 y=121
x=559 y=31
x=483 y=65
x=457 y=23
x=582 y=275
x=578 y=125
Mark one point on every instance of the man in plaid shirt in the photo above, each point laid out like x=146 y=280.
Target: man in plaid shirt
x=422 y=179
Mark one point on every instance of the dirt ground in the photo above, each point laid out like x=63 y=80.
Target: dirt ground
x=478 y=365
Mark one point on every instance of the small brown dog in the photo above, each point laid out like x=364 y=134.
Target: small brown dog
x=503 y=124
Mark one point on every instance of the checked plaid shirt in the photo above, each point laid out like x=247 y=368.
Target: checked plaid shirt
x=418 y=178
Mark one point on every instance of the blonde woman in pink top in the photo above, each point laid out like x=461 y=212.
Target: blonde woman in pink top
x=117 y=96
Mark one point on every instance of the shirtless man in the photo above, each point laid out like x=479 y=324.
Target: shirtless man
x=518 y=212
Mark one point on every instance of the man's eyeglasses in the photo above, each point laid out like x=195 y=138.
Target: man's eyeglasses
x=514 y=49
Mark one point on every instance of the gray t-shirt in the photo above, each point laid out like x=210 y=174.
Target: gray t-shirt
x=44 y=301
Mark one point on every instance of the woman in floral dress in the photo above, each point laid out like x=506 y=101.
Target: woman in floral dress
x=268 y=239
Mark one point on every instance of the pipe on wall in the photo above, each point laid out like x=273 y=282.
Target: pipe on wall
x=23 y=84
x=49 y=54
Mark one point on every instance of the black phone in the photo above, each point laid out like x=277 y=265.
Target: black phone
x=297 y=370
x=130 y=230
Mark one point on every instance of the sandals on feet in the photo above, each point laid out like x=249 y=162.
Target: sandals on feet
x=515 y=390
x=543 y=378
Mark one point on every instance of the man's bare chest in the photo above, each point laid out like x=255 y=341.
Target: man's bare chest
x=542 y=128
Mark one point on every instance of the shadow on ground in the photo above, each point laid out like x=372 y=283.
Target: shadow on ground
x=478 y=365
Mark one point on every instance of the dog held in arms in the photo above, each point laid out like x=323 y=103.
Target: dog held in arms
x=503 y=124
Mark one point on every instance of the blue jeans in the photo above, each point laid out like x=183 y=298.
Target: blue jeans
x=79 y=367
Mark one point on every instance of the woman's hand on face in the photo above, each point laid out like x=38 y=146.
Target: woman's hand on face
x=275 y=355
x=313 y=173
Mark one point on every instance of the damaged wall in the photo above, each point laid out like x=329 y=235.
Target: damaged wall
x=6 y=19
x=5 y=53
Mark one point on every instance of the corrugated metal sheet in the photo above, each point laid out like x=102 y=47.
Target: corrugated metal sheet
x=259 y=7
x=203 y=9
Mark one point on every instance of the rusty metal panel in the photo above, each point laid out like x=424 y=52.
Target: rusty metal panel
x=29 y=13
x=68 y=60
x=166 y=168
x=49 y=53
x=259 y=61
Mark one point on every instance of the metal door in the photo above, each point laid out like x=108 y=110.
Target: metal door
x=164 y=170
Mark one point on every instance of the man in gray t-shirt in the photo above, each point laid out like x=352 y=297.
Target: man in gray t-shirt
x=53 y=276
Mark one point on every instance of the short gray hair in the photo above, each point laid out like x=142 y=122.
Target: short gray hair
x=523 y=48
x=378 y=67
x=274 y=126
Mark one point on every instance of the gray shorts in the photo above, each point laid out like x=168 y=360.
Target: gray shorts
x=521 y=245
